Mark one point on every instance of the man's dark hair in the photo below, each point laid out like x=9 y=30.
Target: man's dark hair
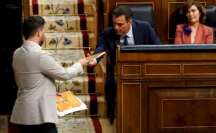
x=31 y=25
x=122 y=10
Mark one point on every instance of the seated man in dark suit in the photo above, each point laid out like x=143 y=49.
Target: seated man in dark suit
x=126 y=31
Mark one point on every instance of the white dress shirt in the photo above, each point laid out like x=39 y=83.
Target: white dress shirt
x=130 y=37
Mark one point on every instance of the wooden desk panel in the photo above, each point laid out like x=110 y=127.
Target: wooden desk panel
x=166 y=92
x=174 y=109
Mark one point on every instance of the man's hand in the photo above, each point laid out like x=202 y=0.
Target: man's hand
x=84 y=61
x=92 y=62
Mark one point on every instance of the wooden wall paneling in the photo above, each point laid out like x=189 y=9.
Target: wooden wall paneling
x=153 y=118
x=158 y=16
x=168 y=68
x=200 y=68
x=182 y=109
x=172 y=19
x=134 y=119
x=131 y=105
x=132 y=122
x=131 y=70
x=211 y=2
x=144 y=111
x=25 y=9
x=165 y=19
x=106 y=13
x=178 y=92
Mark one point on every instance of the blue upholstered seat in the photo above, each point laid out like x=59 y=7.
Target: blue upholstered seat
x=211 y=18
x=143 y=12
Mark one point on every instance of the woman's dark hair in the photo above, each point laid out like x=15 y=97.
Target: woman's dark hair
x=199 y=7
x=31 y=25
x=122 y=10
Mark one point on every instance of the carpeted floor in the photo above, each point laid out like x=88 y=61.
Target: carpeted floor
x=84 y=125
x=70 y=124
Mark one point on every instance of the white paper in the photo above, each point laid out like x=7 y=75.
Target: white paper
x=74 y=109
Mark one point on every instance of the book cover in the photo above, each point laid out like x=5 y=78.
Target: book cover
x=67 y=103
x=98 y=55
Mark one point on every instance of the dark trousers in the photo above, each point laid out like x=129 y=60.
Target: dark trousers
x=42 y=128
x=110 y=96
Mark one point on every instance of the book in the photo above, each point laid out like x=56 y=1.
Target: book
x=67 y=103
x=98 y=55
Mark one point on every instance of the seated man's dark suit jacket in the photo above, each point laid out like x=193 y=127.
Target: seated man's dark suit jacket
x=143 y=34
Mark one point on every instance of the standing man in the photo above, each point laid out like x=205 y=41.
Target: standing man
x=35 y=108
x=126 y=31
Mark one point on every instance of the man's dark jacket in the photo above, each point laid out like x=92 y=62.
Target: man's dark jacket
x=143 y=34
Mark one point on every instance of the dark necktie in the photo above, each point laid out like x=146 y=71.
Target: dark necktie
x=125 y=40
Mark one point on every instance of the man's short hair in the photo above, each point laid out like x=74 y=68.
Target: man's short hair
x=122 y=10
x=31 y=25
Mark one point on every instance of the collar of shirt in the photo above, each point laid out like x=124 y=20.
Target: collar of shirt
x=130 y=32
x=31 y=46
x=130 y=37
